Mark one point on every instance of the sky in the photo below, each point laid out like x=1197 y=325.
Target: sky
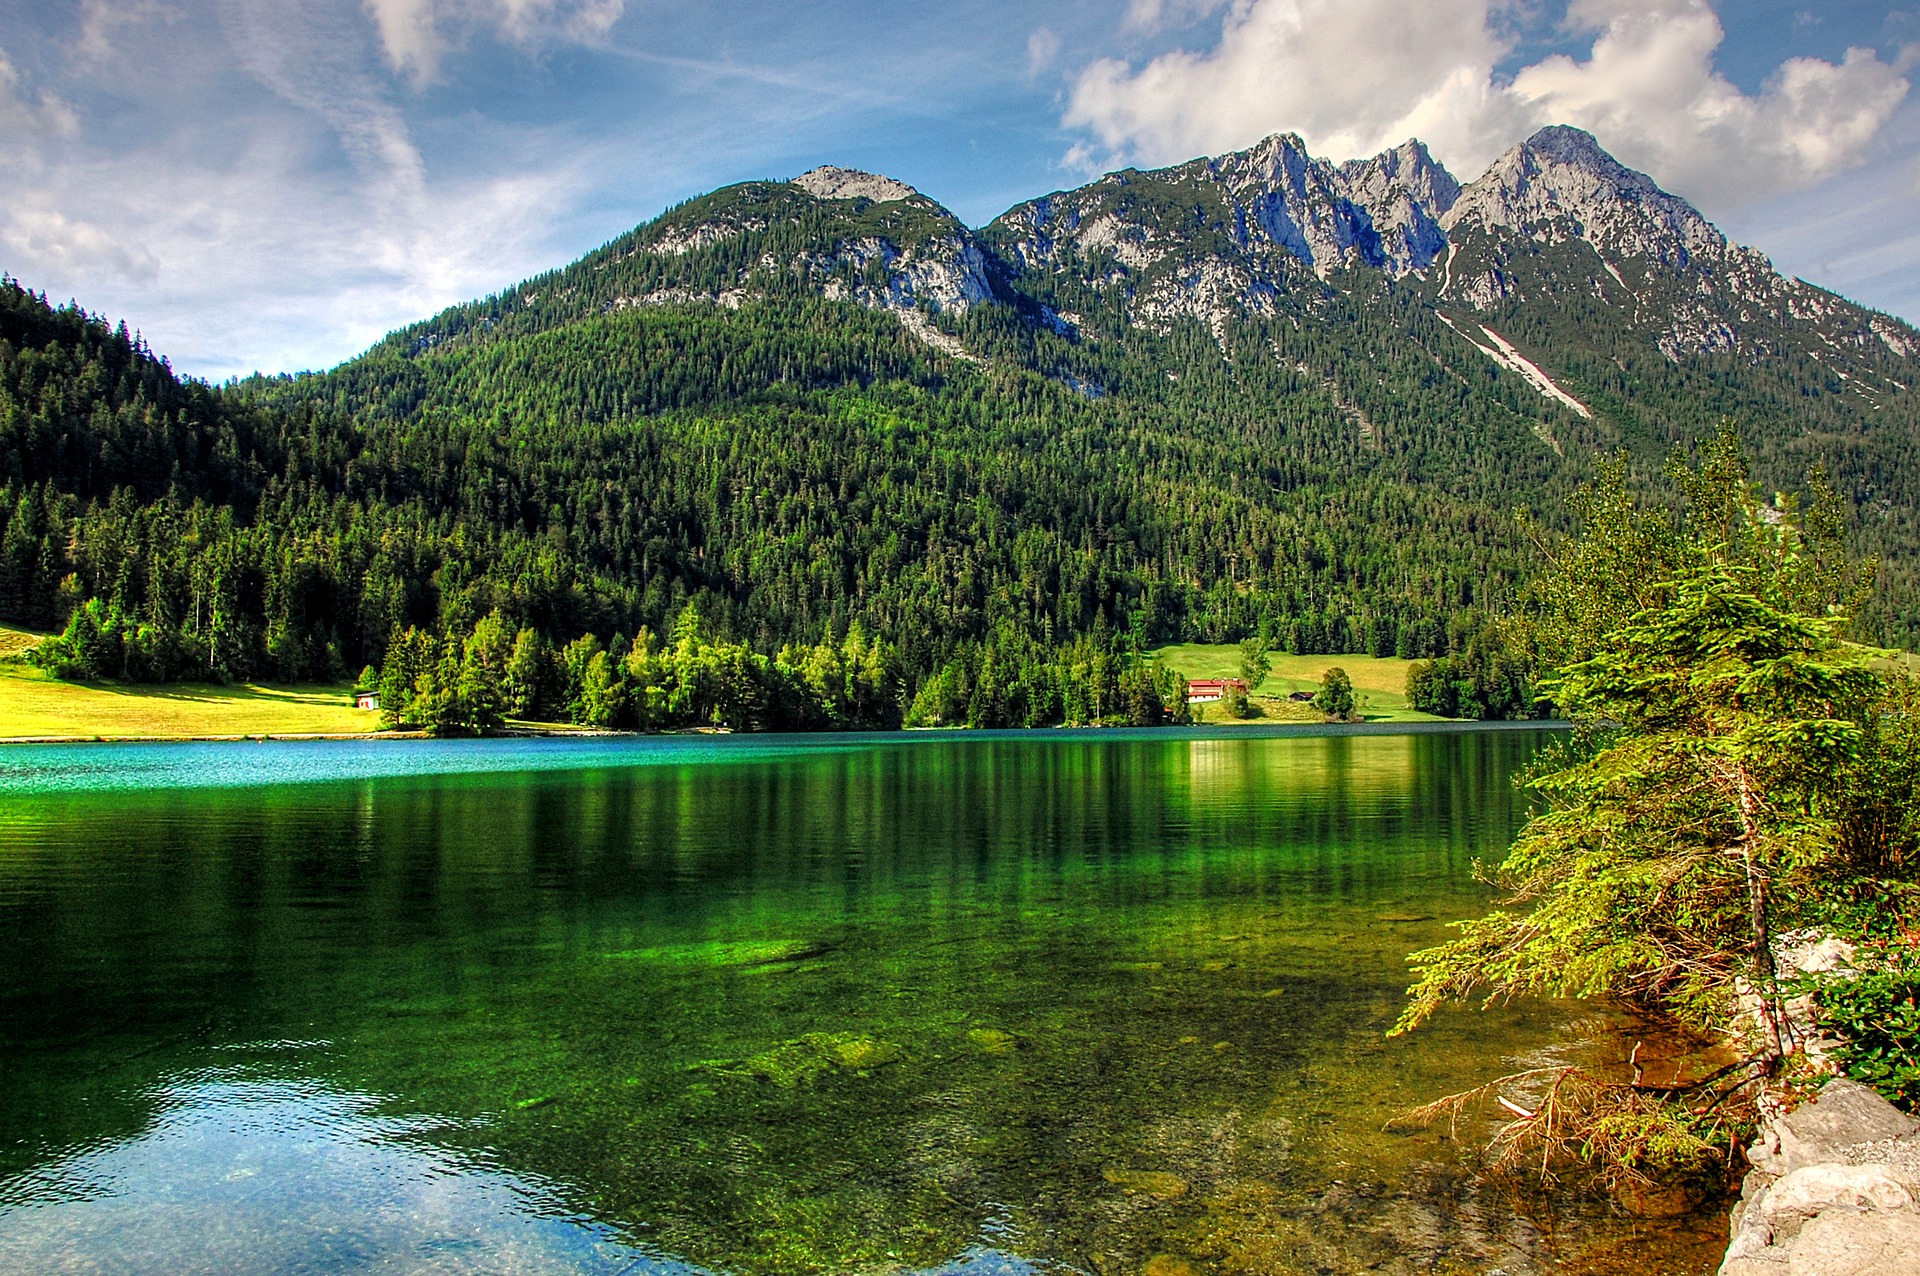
x=271 y=185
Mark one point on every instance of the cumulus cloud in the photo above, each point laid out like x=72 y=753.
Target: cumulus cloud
x=1649 y=90
x=1344 y=73
x=1356 y=76
x=416 y=34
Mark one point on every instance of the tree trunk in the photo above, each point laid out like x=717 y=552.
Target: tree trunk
x=1764 y=971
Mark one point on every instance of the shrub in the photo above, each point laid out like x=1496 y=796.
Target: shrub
x=1876 y=1016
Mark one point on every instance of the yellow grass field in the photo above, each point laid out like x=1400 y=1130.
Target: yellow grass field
x=1379 y=683
x=32 y=705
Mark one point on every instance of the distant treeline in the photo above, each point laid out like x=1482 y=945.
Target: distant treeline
x=690 y=679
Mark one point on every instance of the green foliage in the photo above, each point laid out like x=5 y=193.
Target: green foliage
x=1335 y=697
x=1705 y=803
x=1875 y=1013
x=1254 y=663
x=793 y=468
x=1013 y=681
x=1490 y=679
x=1334 y=476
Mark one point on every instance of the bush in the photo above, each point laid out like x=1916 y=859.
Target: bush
x=1489 y=680
x=1876 y=1016
x=1234 y=701
x=1336 y=695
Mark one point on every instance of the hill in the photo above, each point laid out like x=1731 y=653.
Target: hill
x=1257 y=391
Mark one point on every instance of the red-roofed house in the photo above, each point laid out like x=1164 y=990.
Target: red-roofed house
x=1208 y=690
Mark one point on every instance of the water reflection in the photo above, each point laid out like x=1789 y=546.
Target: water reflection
x=873 y=1006
x=241 y=1170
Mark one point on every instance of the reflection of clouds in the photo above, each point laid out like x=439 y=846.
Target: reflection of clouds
x=244 y=1173
x=241 y=1172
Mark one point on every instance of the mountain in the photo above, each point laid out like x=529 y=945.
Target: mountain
x=1258 y=391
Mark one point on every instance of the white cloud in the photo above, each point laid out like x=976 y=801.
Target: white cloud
x=1043 y=46
x=1152 y=15
x=50 y=239
x=26 y=117
x=1344 y=73
x=416 y=34
x=101 y=19
x=317 y=59
x=1856 y=233
x=1356 y=76
x=265 y=258
x=1649 y=91
x=252 y=245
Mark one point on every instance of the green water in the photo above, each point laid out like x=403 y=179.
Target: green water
x=977 y=1004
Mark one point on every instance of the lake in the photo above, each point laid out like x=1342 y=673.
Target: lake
x=1098 y=1002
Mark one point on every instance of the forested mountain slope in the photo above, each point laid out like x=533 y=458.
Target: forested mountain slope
x=1253 y=392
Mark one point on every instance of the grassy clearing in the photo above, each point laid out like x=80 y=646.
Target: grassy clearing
x=34 y=705
x=1379 y=683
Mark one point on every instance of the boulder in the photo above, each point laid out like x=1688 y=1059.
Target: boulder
x=1842 y=1243
x=1843 y=1114
x=1814 y=1189
x=1832 y=1192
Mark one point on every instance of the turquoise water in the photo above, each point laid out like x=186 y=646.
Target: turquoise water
x=1005 y=1003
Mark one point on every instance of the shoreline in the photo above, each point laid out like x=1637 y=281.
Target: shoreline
x=277 y=737
x=1278 y=730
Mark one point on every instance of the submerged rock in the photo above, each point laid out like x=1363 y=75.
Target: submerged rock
x=804 y=1059
x=992 y=1041
x=1159 y=1184
x=749 y=953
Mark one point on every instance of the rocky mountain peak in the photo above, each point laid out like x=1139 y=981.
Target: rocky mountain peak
x=1380 y=212
x=1408 y=169
x=1281 y=157
x=1560 y=184
x=831 y=182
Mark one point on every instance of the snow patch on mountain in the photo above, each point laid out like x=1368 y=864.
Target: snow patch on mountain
x=1502 y=352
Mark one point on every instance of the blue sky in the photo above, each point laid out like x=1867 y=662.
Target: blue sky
x=272 y=184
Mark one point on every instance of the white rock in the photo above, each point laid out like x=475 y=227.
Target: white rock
x=1809 y=1192
x=829 y=182
x=1844 y=1244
